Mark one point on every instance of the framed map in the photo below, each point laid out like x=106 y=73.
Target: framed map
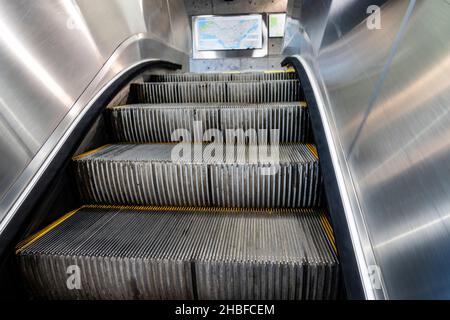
x=228 y=32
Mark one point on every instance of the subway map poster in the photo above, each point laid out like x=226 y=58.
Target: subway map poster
x=228 y=32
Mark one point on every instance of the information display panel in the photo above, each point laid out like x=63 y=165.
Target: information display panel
x=241 y=32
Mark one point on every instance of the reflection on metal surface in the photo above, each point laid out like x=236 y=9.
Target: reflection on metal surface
x=21 y=134
x=51 y=71
x=127 y=56
x=23 y=55
x=397 y=178
x=387 y=65
x=76 y=21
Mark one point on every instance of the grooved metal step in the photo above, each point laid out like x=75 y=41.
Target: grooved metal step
x=215 y=91
x=140 y=123
x=231 y=226
x=232 y=76
x=213 y=175
x=123 y=253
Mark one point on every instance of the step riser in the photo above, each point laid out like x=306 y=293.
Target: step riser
x=142 y=124
x=199 y=185
x=172 y=280
x=216 y=92
x=129 y=254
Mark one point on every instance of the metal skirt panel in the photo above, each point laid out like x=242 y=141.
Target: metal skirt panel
x=123 y=253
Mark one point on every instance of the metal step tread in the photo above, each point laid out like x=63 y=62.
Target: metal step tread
x=295 y=153
x=140 y=123
x=149 y=174
x=216 y=91
x=126 y=253
x=227 y=76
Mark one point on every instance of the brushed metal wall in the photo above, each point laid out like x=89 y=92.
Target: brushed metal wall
x=55 y=56
x=384 y=96
x=221 y=7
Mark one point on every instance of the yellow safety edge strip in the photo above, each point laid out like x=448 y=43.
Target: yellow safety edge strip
x=313 y=150
x=90 y=152
x=29 y=240
x=311 y=147
x=199 y=209
x=288 y=70
x=328 y=231
x=329 y=228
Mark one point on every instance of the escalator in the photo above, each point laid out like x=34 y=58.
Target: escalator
x=210 y=188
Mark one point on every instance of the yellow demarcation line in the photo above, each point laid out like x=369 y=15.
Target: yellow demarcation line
x=328 y=231
x=288 y=70
x=198 y=209
x=29 y=240
x=90 y=152
x=329 y=228
x=303 y=104
x=313 y=149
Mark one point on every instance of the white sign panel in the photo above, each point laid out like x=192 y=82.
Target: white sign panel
x=276 y=25
x=228 y=32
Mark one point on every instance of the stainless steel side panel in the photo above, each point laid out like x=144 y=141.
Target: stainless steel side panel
x=385 y=97
x=55 y=56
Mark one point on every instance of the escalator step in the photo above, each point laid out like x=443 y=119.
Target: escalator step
x=158 y=253
x=218 y=91
x=140 y=123
x=244 y=76
x=229 y=177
